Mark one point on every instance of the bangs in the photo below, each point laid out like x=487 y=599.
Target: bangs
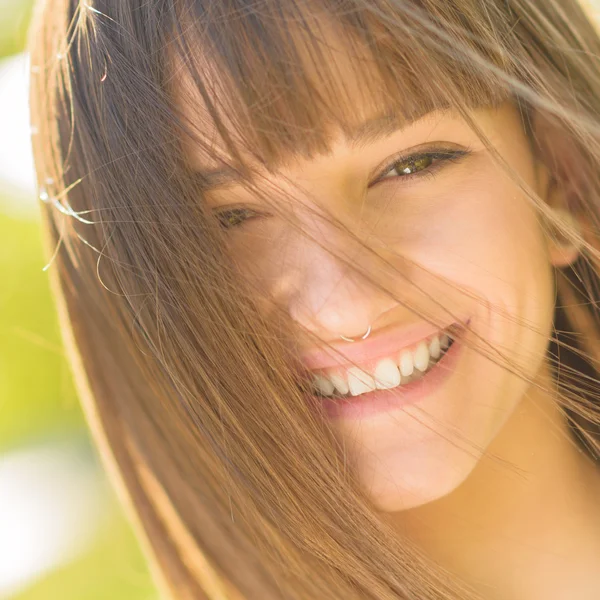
x=276 y=80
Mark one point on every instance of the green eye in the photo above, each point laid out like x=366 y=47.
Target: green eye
x=422 y=164
x=234 y=217
x=414 y=165
x=410 y=166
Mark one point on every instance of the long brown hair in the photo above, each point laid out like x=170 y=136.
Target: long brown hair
x=239 y=489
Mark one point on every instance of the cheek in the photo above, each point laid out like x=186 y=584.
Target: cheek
x=486 y=241
x=258 y=251
x=485 y=238
x=482 y=228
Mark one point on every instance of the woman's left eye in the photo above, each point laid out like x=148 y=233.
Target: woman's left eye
x=417 y=165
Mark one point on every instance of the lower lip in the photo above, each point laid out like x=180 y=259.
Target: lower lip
x=378 y=401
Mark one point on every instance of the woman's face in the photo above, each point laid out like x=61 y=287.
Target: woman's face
x=460 y=238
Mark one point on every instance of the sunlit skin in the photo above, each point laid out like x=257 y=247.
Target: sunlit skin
x=484 y=473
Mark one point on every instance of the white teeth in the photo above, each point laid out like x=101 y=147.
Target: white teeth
x=387 y=375
x=434 y=348
x=323 y=385
x=421 y=357
x=340 y=384
x=359 y=382
x=444 y=341
x=406 y=363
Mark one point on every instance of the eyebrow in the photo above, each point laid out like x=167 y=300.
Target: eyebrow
x=385 y=125
x=366 y=133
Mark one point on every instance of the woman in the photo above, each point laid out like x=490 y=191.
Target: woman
x=327 y=274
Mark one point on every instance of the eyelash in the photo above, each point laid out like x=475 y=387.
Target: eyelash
x=443 y=156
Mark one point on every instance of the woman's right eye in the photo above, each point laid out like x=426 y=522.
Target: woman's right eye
x=231 y=218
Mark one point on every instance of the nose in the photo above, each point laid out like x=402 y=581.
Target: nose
x=324 y=295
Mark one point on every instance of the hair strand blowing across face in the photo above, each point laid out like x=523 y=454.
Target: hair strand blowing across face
x=237 y=489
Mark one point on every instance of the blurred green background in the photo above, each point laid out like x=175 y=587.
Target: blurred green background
x=62 y=533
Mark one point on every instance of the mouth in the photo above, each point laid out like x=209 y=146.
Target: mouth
x=398 y=370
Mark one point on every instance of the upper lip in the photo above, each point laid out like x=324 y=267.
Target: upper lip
x=385 y=343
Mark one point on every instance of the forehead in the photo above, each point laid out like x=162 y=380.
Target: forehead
x=343 y=97
x=268 y=94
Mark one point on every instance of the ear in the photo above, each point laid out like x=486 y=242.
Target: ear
x=560 y=168
x=562 y=251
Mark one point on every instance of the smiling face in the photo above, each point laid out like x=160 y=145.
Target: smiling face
x=459 y=242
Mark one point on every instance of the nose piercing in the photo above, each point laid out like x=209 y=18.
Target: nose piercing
x=363 y=337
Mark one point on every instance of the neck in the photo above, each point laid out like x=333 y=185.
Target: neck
x=525 y=524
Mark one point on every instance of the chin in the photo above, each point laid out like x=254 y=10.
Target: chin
x=417 y=478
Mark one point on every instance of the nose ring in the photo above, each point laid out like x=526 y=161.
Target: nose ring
x=363 y=337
